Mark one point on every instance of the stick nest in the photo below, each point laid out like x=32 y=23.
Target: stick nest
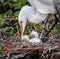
x=12 y=48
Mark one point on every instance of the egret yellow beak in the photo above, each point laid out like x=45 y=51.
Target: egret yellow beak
x=21 y=30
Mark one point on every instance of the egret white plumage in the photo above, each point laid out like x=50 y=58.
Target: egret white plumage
x=33 y=34
x=32 y=38
x=35 y=39
x=36 y=13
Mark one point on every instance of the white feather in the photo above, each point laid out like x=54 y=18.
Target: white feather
x=31 y=2
x=34 y=33
x=29 y=13
x=43 y=6
x=35 y=40
x=25 y=37
x=37 y=12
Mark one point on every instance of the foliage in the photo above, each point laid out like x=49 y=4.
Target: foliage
x=1 y=49
x=7 y=7
x=13 y=5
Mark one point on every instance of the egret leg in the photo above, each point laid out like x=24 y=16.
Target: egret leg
x=21 y=30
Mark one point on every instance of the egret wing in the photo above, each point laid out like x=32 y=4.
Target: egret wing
x=44 y=6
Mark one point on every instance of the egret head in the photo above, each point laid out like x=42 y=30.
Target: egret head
x=33 y=34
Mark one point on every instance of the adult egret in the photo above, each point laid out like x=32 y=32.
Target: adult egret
x=36 y=13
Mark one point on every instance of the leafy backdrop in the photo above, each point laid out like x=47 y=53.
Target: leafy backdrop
x=9 y=10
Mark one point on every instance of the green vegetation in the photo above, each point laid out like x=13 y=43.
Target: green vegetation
x=1 y=49
x=9 y=10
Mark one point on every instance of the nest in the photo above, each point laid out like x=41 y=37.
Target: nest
x=12 y=48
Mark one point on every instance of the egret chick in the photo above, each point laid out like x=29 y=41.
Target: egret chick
x=25 y=38
x=34 y=38
x=33 y=34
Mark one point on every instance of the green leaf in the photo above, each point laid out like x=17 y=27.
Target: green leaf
x=1 y=49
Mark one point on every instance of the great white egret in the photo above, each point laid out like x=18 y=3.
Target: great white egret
x=36 y=13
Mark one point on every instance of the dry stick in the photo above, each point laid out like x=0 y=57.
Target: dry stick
x=29 y=52
x=42 y=33
x=8 y=56
x=42 y=57
x=15 y=34
x=56 y=21
x=26 y=48
x=12 y=49
x=54 y=54
x=20 y=48
x=44 y=25
x=15 y=49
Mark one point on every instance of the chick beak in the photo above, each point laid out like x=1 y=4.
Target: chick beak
x=21 y=30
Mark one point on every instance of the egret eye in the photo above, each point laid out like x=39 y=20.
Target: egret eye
x=20 y=22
